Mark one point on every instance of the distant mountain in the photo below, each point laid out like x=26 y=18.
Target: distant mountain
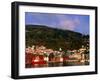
x=53 y=38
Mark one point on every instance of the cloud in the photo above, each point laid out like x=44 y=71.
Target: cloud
x=68 y=23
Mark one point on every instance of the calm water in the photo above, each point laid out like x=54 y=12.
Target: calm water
x=57 y=64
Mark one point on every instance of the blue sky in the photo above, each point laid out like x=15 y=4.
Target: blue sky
x=77 y=23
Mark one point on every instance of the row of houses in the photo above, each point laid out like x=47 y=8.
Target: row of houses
x=42 y=55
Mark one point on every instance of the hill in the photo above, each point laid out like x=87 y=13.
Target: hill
x=53 y=38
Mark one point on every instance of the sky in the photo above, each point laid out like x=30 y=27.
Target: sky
x=77 y=23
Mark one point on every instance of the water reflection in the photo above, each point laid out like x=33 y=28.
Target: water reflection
x=57 y=64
